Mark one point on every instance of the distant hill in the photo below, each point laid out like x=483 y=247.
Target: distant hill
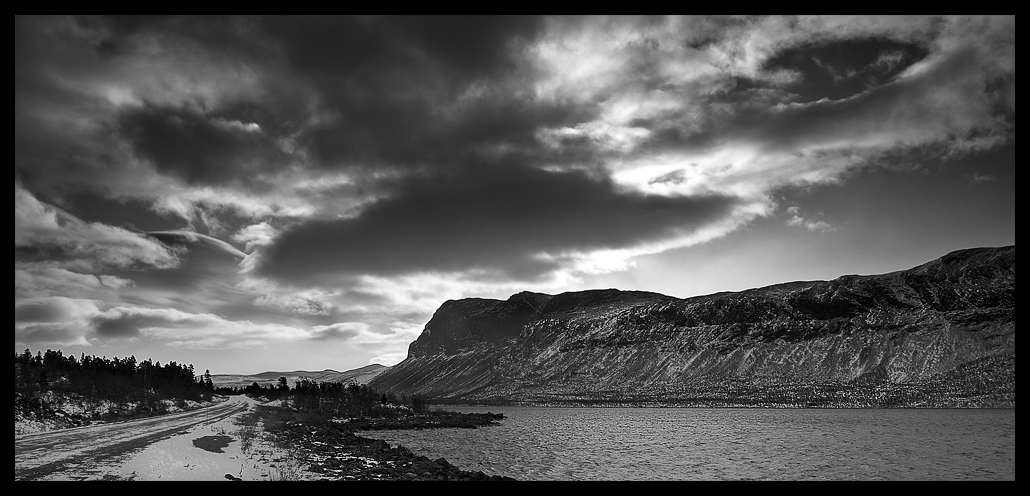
x=360 y=375
x=941 y=334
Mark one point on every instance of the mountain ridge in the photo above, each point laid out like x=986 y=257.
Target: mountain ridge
x=941 y=333
x=360 y=375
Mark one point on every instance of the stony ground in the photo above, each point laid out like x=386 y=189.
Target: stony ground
x=332 y=450
x=267 y=442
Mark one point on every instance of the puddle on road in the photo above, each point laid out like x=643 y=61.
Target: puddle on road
x=213 y=444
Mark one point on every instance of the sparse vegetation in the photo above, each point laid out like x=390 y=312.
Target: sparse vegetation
x=322 y=400
x=247 y=432
x=287 y=467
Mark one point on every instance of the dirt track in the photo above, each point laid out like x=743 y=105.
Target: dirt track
x=78 y=453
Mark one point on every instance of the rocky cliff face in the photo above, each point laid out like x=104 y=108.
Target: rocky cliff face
x=940 y=334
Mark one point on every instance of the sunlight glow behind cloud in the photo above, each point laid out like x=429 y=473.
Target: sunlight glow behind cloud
x=335 y=179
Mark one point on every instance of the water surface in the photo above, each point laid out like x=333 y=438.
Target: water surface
x=536 y=443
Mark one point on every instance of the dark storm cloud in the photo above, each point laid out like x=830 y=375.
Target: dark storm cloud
x=374 y=166
x=114 y=328
x=197 y=148
x=323 y=92
x=417 y=91
x=415 y=132
x=496 y=221
x=123 y=321
x=91 y=93
x=55 y=319
x=45 y=310
x=367 y=49
x=50 y=143
x=337 y=332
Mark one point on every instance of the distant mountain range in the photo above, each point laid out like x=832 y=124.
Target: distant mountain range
x=941 y=334
x=356 y=376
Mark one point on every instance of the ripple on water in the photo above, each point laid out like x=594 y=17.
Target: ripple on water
x=728 y=444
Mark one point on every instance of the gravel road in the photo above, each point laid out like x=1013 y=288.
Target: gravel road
x=99 y=451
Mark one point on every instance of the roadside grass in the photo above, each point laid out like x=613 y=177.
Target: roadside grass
x=265 y=424
x=247 y=432
x=287 y=467
x=272 y=419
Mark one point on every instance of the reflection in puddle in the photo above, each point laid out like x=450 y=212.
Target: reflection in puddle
x=213 y=444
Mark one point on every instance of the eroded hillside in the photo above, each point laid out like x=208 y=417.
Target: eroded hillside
x=940 y=334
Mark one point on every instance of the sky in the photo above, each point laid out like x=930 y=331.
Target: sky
x=250 y=194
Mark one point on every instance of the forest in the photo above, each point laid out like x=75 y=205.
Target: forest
x=109 y=388
x=133 y=387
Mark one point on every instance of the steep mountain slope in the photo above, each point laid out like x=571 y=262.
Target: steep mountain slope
x=940 y=334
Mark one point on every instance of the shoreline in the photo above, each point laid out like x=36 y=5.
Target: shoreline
x=332 y=450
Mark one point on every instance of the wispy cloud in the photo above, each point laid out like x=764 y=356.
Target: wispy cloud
x=46 y=234
x=35 y=279
x=353 y=171
x=189 y=330
x=977 y=178
x=812 y=225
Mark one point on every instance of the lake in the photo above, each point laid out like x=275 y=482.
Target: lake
x=538 y=443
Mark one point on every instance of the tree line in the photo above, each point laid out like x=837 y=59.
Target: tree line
x=122 y=381
x=335 y=398
x=140 y=386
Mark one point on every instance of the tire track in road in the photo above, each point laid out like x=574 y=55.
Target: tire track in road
x=40 y=455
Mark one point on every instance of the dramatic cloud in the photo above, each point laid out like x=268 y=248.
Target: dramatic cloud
x=44 y=232
x=512 y=222
x=53 y=309
x=247 y=114
x=359 y=335
x=410 y=91
x=722 y=117
x=53 y=320
x=341 y=331
x=189 y=330
x=191 y=238
x=32 y=280
x=332 y=179
x=255 y=235
x=197 y=148
x=312 y=303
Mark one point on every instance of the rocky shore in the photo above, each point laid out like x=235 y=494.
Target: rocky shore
x=334 y=451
